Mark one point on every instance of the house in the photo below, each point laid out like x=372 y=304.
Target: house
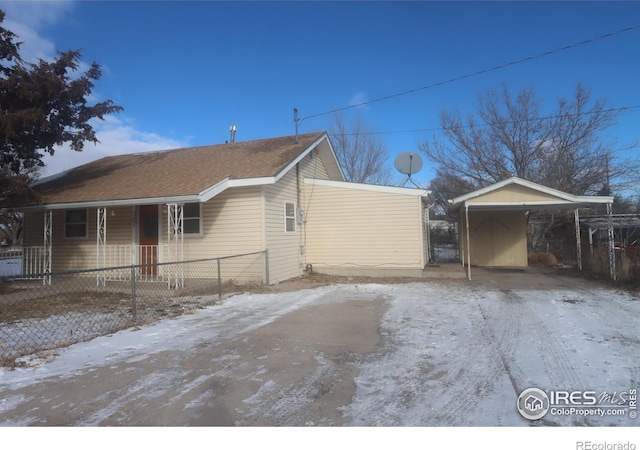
x=286 y=195
x=533 y=403
x=492 y=220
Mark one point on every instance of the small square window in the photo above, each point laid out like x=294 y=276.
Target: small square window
x=76 y=223
x=289 y=217
x=191 y=218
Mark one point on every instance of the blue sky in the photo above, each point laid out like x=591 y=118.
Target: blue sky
x=186 y=71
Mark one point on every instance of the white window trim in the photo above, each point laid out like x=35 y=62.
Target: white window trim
x=289 y=202
x=86 y=224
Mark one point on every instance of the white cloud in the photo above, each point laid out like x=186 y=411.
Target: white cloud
x=116 y=138
x=36 y=14
x=358 y=99
x=26 y=20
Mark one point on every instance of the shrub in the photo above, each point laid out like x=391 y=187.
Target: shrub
x=543 y=259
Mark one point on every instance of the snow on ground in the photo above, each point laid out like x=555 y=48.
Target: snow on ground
x=451 y=354
x=460 y=355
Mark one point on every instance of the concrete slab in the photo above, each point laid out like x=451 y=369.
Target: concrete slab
x=333 y=328
x=444 y=271
x=231 y=378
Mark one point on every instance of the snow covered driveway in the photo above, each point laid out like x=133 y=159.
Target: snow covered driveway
x=438 y=353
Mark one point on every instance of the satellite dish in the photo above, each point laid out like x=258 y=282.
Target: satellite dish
x=408 y=163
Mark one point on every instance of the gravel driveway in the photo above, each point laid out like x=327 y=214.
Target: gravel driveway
x=435 y=353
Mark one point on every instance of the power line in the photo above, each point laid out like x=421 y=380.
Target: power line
x=538 y=119
x=479 y=72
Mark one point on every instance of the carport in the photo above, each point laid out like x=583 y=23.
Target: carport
x=493 y=226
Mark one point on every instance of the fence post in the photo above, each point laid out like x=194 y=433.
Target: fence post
x=219 y=280
x=134 y=308
x=266 y=267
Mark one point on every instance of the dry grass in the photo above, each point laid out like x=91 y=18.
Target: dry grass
x=81 y=302
x=543 y=259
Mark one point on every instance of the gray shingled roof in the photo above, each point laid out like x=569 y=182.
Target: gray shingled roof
x=170 y=173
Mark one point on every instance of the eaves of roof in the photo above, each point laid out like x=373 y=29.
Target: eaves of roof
x=369 y=187
x=194 y=174
x=564 y=200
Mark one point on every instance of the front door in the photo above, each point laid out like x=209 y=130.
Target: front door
x=148 y=239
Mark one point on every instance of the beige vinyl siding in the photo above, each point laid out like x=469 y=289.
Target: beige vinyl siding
x=351 y=228
x=119 y=225
x=514 y=193
x=32 y=233
x=284 y=248
x=287 y=250
x=231 y=225
x=311 y=167
x=498 y=239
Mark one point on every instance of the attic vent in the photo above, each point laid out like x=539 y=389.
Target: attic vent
x=232 y=129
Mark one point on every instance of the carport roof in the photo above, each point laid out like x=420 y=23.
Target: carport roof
x=515 y=194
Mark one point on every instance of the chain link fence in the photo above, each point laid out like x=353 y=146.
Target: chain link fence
x=444 y=243
x=50 y=310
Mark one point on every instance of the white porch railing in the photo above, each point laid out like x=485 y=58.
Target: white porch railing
x=32 y=260
x=22 y=261
x=126 y=255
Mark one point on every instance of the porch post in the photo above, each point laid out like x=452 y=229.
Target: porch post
x=578 y=239
x=612 y=255
x=175 y=245
x=101 y=246
x=48 y=223
x=466 y=209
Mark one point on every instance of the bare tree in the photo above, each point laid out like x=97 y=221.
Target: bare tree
x=361 y=154
x=509 y=136
x=445 y=186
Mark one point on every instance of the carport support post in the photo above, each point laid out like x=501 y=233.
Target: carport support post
x=466 y=211
x=578 y=239
x=612 y=255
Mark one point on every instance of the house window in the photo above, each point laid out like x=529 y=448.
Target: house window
x=191 y=218
x=289 y=217
x=76 y=223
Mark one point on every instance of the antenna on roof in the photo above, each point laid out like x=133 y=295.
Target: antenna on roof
x=408 y=163
x=296 y=121
x=232 y=129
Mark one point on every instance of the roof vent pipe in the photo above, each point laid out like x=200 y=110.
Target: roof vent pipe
x=232 y=129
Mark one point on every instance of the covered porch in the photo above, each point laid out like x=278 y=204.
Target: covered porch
x=101 y=236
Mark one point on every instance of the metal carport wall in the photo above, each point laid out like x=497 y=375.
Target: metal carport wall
x=517 y=195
